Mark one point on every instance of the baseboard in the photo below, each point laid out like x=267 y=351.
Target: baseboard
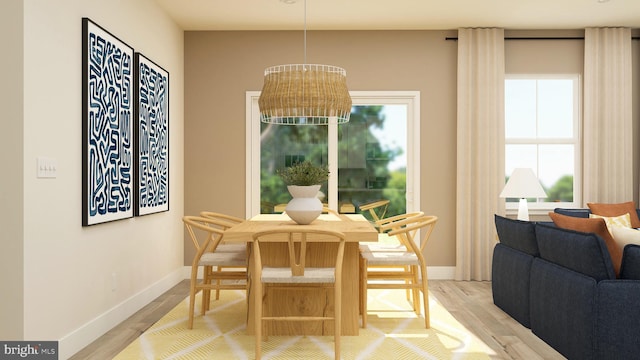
x=434 y=272
x=86 y=334
x=441 y=272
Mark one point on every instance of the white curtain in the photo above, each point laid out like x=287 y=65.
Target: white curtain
x=608 y=175
x=480 y=149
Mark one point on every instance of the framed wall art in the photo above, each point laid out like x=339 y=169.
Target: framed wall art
x=151 y=137
x=107 y=126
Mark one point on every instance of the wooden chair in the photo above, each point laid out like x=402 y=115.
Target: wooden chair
x=386 y=243
x=206 y=235
x=377 y=209
x=224 y=222
x=401 y=267
x=232 y=220
x=298 y=274
x=327 y=210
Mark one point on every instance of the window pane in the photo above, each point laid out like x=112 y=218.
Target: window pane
x=281 y=146
x=520 y=156
x=556 y=171
x=520 y=108
x=372 y=158
x=554 y=165
x=555 y=108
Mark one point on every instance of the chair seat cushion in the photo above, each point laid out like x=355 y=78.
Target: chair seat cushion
x=381 y=247
x=282 y=275
x=390 y=258
x=231 y=248
x=224 y=259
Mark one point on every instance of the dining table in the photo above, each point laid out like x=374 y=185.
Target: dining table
x=300 y=299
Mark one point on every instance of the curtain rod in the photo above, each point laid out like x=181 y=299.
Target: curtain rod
x=543 y=38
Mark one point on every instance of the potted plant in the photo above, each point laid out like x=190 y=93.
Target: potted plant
x=303 y=180
x=304 y=174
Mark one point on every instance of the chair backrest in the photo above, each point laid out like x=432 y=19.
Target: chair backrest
x=406 y=230
x=377 y=209
x=227 y=220
x=205 y=233
x=296 y=240
x=396 y=221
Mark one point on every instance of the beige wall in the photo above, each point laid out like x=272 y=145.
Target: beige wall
x=221 y=66
x=11 y=188
x=74 y=283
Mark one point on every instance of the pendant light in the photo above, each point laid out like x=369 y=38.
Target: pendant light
x=304 y=94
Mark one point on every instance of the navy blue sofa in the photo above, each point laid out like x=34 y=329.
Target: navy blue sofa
x=561 y=284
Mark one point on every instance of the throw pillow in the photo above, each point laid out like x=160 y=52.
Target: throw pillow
x=625 y=236
x=603 y=209
x=615 y=221
x=596 y=226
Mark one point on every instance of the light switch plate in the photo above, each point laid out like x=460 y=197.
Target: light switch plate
x=47 y=168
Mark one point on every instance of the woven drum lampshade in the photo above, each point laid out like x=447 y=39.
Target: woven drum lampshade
x=305 y=94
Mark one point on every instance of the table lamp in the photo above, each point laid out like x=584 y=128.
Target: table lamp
x=523 y=184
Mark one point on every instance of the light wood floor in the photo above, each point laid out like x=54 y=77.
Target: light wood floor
x=470 y=302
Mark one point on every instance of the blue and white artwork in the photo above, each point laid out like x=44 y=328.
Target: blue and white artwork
x=107 y=126
x=152 y=137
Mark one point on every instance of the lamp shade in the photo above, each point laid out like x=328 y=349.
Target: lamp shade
x=523 y=183
x=305 y=94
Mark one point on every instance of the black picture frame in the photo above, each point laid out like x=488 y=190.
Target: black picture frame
x=107 y=126
x=151 y=181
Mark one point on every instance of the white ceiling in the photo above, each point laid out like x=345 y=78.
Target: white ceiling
x=401 y=14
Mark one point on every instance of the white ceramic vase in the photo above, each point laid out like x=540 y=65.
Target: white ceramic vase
x=305 y=205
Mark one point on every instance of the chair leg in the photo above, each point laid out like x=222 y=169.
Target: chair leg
x=416 y=289
x=258 y=320
x=218 y=283
x=425 y=297
x=408 y=291
x=192 y=294
x=206 y=292
x=337 y=315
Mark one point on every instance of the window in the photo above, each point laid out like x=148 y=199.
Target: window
x=375 y=156
x=542 y=132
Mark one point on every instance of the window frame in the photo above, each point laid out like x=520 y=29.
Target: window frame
x=540 y=207
x=409 y=98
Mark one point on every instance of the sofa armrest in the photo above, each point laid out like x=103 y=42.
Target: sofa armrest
x=630 y=268
x=511 y=271
x=617 y=325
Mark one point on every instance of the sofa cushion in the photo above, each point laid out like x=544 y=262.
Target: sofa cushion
x=578 y=250
x=604 y=209
x=617 y=325
x=625 y=236
x=623 y=221
x=563 y=304
x=516 y=234
x=596 y=226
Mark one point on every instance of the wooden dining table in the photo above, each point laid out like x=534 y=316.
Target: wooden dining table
x=302 y=300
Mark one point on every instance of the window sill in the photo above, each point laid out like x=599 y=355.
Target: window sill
x=534 y=214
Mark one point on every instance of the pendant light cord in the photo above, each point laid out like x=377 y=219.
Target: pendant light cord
x=305 y=32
